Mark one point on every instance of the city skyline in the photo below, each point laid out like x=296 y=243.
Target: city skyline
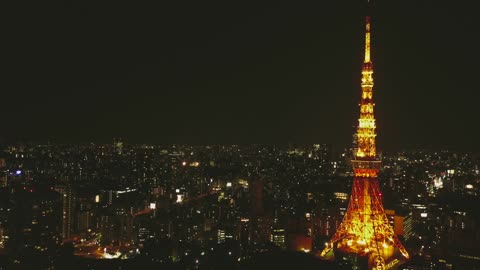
x=238 y=74
x=228 y=136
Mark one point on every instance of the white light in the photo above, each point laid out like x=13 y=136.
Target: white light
x=153 y=206
x=424 y=215
x=469 y=186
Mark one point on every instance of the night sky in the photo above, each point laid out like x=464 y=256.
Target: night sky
x=207 y=72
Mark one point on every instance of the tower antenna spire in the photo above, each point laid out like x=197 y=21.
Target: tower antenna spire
x=367 y=41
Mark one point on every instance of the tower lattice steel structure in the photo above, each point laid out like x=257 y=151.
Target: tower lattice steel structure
x=365 y=230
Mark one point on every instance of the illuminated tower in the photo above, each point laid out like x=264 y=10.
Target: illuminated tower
x=365 y=230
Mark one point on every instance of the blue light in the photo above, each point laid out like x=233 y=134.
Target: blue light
x=18 y=172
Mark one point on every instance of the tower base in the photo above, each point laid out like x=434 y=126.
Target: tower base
x=392 y=259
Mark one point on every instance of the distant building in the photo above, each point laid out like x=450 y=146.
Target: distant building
x=256 y=196
x=278 y=238
x=68 y=205
x=3 y=173
x=116 y=227
x=220 y=236
x=299 y=242
x=34 y=220
x=408 y=226
x=397 y=219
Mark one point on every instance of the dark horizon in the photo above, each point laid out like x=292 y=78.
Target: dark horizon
x=236 y=74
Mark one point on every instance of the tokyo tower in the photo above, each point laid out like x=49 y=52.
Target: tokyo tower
x=365 y=230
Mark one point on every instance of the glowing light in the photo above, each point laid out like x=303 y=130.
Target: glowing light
x=243 y=183
x=423 y=215
x=438 y=183
x=97 y=198
x=127 y=190
x=341 y=195
x=469 y=186
x=18 y=172
x=115 y=255
x=153 y=206
x=367 y=41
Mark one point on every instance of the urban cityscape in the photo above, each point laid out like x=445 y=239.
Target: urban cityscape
x=195 y=207
x=74 y=204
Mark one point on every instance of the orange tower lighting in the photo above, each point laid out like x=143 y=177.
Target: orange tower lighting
x=365 y=229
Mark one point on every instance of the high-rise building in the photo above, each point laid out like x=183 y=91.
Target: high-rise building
x=365 y=230
x=68 y=205
x=3 y=173
x=256 y=196
x=408 y=226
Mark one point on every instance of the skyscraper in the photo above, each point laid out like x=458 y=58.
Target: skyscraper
x=68 y=205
